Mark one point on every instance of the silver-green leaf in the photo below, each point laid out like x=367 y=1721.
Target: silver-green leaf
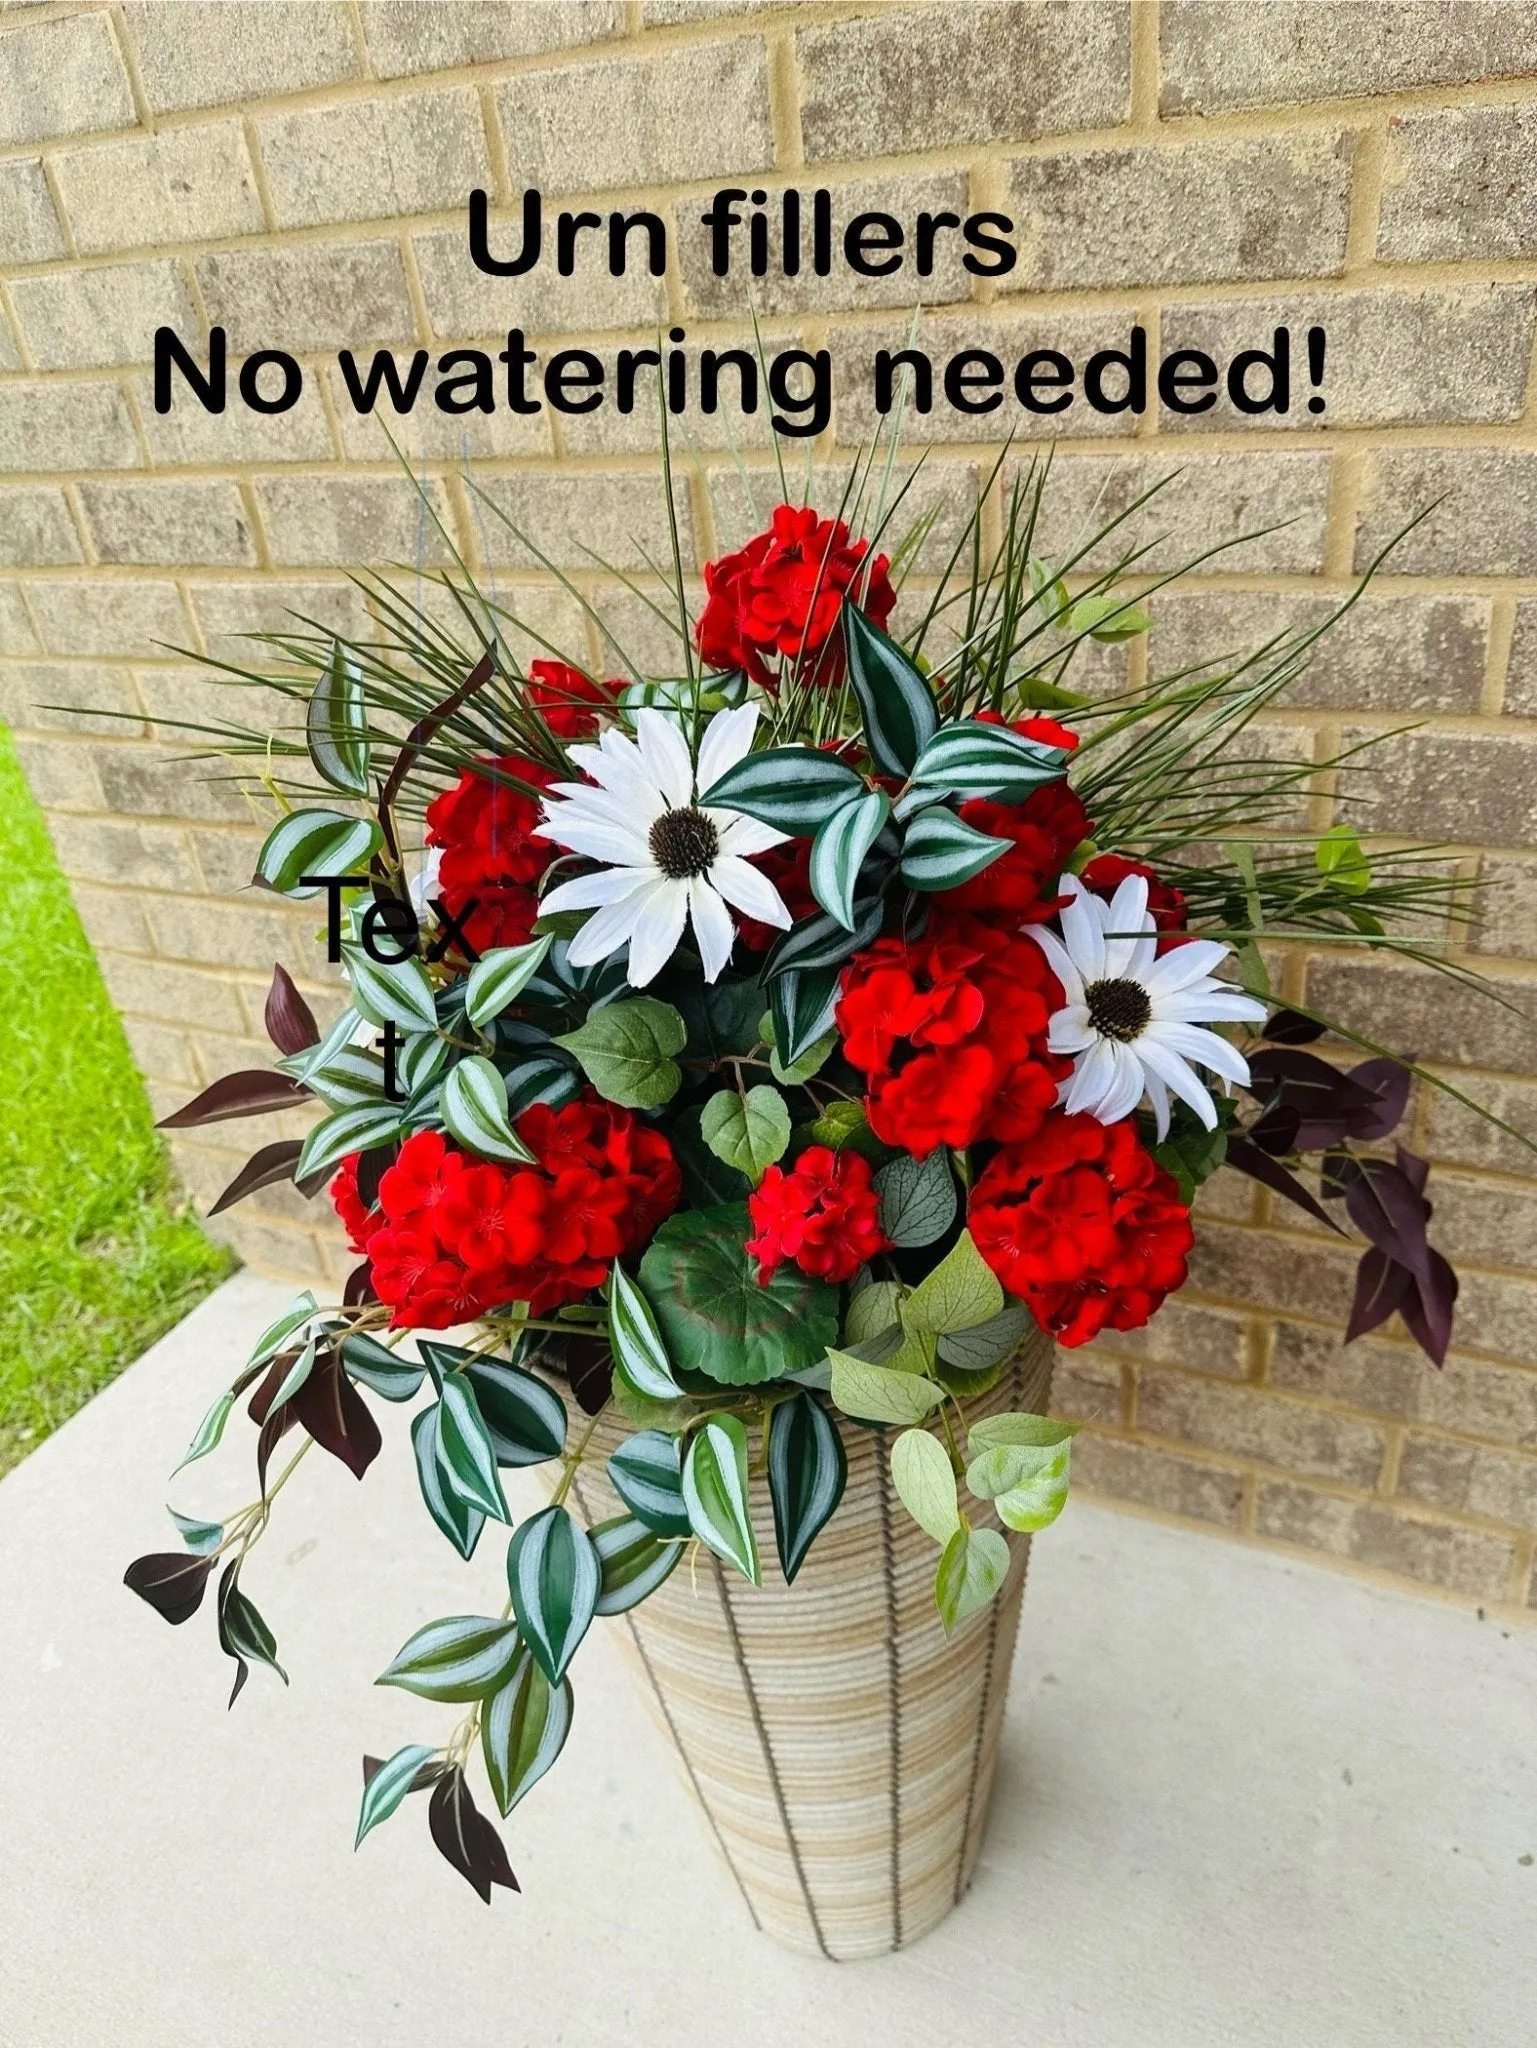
x=315 y=843
x=499 y=977
x=461 y=1658
x=336 y=725
x=715 y=1494
x=640 y=1356
x=839 y=848
x=474 y=1111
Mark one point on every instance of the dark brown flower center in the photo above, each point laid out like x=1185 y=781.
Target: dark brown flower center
x=684 y=843
x=1120 y=1009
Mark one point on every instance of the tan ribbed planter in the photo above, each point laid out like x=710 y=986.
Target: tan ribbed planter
x=840 y=1746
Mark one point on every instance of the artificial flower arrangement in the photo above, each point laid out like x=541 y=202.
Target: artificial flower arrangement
x=764 y=1051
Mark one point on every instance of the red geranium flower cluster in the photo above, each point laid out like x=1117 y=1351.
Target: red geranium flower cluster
x=1081 y=1223
x=950 y=1030
x=453 y=1236
x=1105 y=874
x=824 y=1214
x=782 y=592
x=1044 y=831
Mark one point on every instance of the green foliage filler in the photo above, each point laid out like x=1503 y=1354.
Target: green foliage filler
x=98 y=1254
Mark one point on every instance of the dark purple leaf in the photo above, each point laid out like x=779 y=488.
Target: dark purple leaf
x=171 y=1582
x=1335 y=1171
x=333 y=1411
x=273 y=1431
x=359 y=1287
x=289 y=1019
x=1427 y=1310
x=466 y=1838
x=272 y=1163
x=590 y=1369
x=1381 y=1286
x=426 y=726
x=1258 y=1165
x=1287 y=1027
x=1414 y=1169
x=254 y=1091
x=1389 y=1212
x=261 y=1401
x=1276 y=1131
x=1388 y=1080
x=373 y=1165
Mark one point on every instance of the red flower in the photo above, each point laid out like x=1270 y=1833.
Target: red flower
x=950 y=1031
x=1046 y=730
x=356 y=1220
x=782 y=593
x=569 y=700
x=824 y=1214
x=1082 y=1224
x=1104 y=875
x=1043 y=832
x=490 y=852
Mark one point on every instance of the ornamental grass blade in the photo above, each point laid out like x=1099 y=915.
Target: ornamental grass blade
x=807 y=1469
x=553 y=1576
x=715 y=1494
x=523 y=1728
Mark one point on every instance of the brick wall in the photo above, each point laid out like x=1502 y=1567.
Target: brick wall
x=298 y=173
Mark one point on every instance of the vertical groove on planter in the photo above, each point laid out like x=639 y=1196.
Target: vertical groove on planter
x=767 y=1747
x=893 y=1687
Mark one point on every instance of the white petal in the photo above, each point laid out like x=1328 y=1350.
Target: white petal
x=727 y=740
x=714 y=932
x=1219 y=1003
x=1169 y=1067
x=742 y=835
x=590 y=892
x=656 y=923
x=1192 y=1043
x=607 y=805
x=666 y=757
x=1182 y=965
x=598 y=838
x=749 y=891
x=1082 y=932
x=1092 y=1078
x=1127 y=915
x=1070 y=1029
x=604 y=933
x=1059 y=961
x=625 y=776
x=1144 y=952
x=1125 y=1090
x=1158 y=1096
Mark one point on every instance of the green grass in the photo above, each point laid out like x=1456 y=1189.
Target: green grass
x=99 y=1254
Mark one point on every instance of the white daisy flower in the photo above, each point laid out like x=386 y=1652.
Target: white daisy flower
x=670 y=861
x=1133 y=1018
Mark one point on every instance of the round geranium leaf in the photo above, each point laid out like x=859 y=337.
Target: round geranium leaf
x=714 y=1316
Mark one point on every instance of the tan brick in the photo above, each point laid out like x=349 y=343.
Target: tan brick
x=944 y=492
x=1230 y=1196
x=115 y=850
x=169 y=523
x=365 y=519
x=1461 y=1560
x=164 y=1054
x=463 y=303
x=421 y=152
x=1497 y=1312
x=667 y=13
x=98 y=616
x=1457 y=183
x=153 y=988
x=161 y=782
x=697 y=112
x=1507 y=906
x=634 y=638
x=184 y=185
x=268 y=1247
x=16 y=633
x=1185 y=1334
x=1464 y=786
x=29 y=227
x=1227 y=53
x=1277 y=1272
x=618 y=519
x=1155 y=1479
x=261 y=47
x=1473 y=1395
x=536 y=618
x=405 y=38
x=1271 y=206
x=10 y=353
x=61 y=77
x=75 y=319
x=61 y=774
x=37 y=696
x=205 y=935
x=227 y=859
x=315 y=296
x=427 y=432
x=196 y=697
x=1387 y=653
x=1457 y=1132
x=36 y=530
x=1429 y=1015
x=1392 y=358
x=608 y=431
x=1086 y=1386
x=189 y=436
x=1480 y=506
x=1500 y=1486
x=1521 y=677
x=228 y=613
x=65 y=427
x=1248 y=1424
x=113 y=917
x=1208 y=499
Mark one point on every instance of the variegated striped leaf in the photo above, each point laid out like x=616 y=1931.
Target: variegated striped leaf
x=941 y=850
x=969 y=759
x=463 y=1657
x=420 y=1060
x=380 y=1369
x=715 y=1494
x=394 y=992
x=294 y=1317
x=474 y=1110
x=300 y=1065
x=523 y=1729
x=314 y=843
x=893 y=692
x=640 y=1356
x=466 y=1454
x=790 y=788
x=807 y=1469
x=647 y=1474
x=634 y=1561
x=460 y=1523
x=351 y=1077
x=801 y=1004
x=348 y=1130
x=336 y=725
x=389 y=1785
x=553 y=1576
x=820 y=941
x=499 y=976
x=839 y=849
x=209 y=1431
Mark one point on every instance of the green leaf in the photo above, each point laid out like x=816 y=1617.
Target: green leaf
x=801 y=1005
x=420 y=1061
x=1039 y=1498
x=347 y=1130
x=389 y=1785
x=523 y=1728
x=646 y=1472
x=1048 y=590
x=201 y=1538
x=844 y=1127
x=987 y=1344
x=391 y=992
x=466 y=1455
x=1107 y=617
x=352 y=1079
x=209 y=1431
x=460 y=1522
x=893 y=692
x=243 y=1634
x=807 y=1469
x=463 y=1657
x=500 y=976
x=380 y=1369
x=820 y=942
x=790 y=788
x=336 y=725
x=715 y=1493
x=972 y=1568
x=873 y=1310
x=941 y=851
x=625 y=1050
x=714 y=1316
x=295 y=1376
x=961 y=1292
x=1341 y=861
x=273 y=1338
x=524 y=1419
x=748 y=1132
x=1191 y=1153
x=839 y=848
x=640 y=1356
x=876 y=1393
x=970 y=759
x=300 y=1065
x=633 y=1560
x=810 y=1062
x=553 y=1576
x=924 y=1479
x=315 y=843
x=917 y=1198
x=474 y=1111
x=995 y=1432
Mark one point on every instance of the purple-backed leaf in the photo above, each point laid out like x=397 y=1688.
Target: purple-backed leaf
x=1416 y=1171
x=1427 y=1311
x=1388 y=1080
x=373 y=1165
x=1335 y=1171
x=273 y=1431
x=171 y=1582
x=1381 y=1285
x=333 y=1411
x=1288 y=1027
x=252 y=1092
x=466 y=1838
x=288 y=1017
x=1389 y=1212
x=271 y=1163
x=428 y=1774
x=1276 y=1131
x=1305 y=1079
x=1270 y=1173
x=359 y=1287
